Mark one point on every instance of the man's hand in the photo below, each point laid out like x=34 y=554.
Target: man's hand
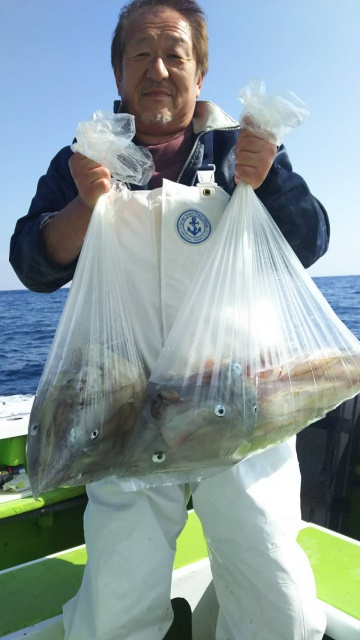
x=92 y=179
x=63 y=236
x=253 y=158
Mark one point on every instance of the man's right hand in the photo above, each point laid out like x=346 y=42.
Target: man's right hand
x=64 y=234
x=92 y=179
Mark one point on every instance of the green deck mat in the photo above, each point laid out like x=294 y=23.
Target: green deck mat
x=36 y=592
x=191 y=545
x=336 y=566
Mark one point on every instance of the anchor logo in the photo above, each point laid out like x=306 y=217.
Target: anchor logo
x=193 y=226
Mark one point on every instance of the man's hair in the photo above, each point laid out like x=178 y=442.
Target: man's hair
x=189 y=9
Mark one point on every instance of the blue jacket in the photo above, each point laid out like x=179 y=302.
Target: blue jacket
x=301 y=218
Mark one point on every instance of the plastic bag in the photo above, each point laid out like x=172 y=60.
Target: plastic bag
x=270 y=117
x=256 y=353
x=106 y=138
x=91 y=388
x=83 y=416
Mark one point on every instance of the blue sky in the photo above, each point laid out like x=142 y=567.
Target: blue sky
x=55 y=71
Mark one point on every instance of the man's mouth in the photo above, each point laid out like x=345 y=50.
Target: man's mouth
x=155 y=91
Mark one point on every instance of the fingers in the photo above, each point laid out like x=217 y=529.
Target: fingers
x=253 y=158
x=92 y=179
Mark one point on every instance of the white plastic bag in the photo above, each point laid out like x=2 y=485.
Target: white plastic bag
x=271 y=117
x=84 y=412
x=256 y=353
x=106 y=138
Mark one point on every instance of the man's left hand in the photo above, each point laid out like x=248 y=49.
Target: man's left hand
x=253 y=158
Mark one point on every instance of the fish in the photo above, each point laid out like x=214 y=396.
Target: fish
x=196 y=420
x=303 y=391
x=81 y=423
x=219 y=416
x=100 y=418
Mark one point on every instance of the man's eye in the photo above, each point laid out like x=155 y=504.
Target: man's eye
x=174 y=56
x=142 y=54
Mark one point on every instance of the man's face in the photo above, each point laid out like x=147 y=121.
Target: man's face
x=158 y=82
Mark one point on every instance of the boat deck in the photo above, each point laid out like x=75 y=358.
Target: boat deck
x=33 y=593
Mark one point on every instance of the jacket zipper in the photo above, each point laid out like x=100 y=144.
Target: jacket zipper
x=200 y=135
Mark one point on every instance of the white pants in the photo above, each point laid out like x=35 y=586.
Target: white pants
x=250 y=515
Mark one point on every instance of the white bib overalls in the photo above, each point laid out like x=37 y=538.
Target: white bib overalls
x=250 y=513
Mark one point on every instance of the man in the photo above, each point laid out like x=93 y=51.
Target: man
x=250 y=513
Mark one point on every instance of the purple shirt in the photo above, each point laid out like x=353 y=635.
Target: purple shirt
x=170 y=156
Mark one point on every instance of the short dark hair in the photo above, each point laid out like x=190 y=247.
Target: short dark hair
x=189 y=9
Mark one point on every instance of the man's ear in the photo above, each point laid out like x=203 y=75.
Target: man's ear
x=199 y=83
x=118 y=82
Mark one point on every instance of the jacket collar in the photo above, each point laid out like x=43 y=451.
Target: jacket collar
x=207 y=116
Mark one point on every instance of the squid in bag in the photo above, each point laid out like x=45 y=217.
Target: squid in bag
x=85 y=408
x=256 y=353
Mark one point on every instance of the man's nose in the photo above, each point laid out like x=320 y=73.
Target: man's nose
x=157 y=69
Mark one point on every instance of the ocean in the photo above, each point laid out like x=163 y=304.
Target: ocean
x=28 y=322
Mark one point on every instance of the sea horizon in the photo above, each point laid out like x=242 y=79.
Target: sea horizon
x=67 y=286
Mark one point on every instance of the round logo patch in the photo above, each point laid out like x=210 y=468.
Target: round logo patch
x=193 y=226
